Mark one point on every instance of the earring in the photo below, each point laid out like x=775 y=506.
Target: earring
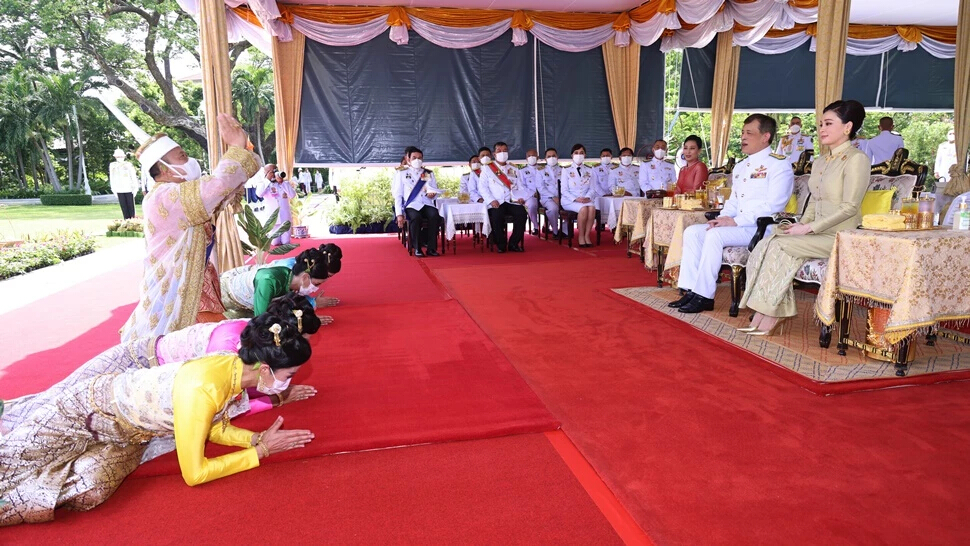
x=845 y=132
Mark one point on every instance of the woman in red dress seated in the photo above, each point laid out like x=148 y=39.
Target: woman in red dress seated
x=694 y=175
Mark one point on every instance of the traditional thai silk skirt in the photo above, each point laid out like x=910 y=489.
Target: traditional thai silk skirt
x=72 y=451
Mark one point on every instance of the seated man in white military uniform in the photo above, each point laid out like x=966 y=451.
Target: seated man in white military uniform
x=502 y=190
x=655 y=172
x=792 y=145
x=602 y=174
x=548 y=186
x=469 y=180
x=414 y=190
x=626 y=175
x=762 y=185
x=530 y=178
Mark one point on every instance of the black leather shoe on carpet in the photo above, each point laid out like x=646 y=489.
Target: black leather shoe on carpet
x=516 y=249
x=432 y=253
x=684 y=300
x=418 y=254
x=697 y=305
x=500 y=250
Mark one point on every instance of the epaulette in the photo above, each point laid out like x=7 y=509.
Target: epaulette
x=401 y=168
x=778 y=156
x=540 y=167
x=614 y=167
x=428 y=171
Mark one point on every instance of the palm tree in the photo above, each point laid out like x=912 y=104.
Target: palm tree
x=252 y=94
x=60 y=92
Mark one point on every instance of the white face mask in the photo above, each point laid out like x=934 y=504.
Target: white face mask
x=606 y=160
x=276 y=388
x=660 y=153
x=476 y=165
x=486 y=160
x=190 y=170
x=307 y=290
x=795 y=129
x=578 y=159
x=417 y=163
x=626 y=160
x=532 y=160
x=501 y=157
x=552 y=161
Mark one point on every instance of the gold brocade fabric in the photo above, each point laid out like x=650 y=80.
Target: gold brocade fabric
x=666 y=228
x=633 y=219
x=922 y=275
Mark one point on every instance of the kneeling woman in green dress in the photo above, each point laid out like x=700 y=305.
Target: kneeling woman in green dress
x=838 y=183
x=250 y=288
x=75 y=451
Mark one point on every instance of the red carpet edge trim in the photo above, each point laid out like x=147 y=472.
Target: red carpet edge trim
x=436 y=281
x=815 y=387
x=614 y=512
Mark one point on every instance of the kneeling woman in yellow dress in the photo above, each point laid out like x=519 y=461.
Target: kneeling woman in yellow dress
x=75 y=451
x=838 y=183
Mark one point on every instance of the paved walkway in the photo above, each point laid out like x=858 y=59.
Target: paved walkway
x=20 y=291
x=95 y=199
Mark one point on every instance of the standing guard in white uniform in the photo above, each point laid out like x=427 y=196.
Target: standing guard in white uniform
x=762 y=185
x=655 y=172
x=792 y=145
x=469 y=180
x=548 y=186
x=414 y=190
x=626 y=175
x=530 y=178
x=501 y=188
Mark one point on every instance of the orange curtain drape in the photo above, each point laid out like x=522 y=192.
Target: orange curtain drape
x=288 y=88
x=726 y=62
x=960 y=182
x=623 y=81
x=830 y=45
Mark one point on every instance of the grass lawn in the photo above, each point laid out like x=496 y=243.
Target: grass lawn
x=18 y=222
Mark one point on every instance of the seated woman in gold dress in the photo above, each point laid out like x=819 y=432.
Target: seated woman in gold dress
x=75 y=451
x=838 y=183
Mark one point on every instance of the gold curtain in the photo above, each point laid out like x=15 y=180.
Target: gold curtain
x=623 y=81
x=725 y=90
x=288 y=88
x=832 y=33
x=217 y=97
x=959 y=183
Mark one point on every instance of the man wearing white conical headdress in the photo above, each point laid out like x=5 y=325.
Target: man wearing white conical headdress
x=178 y=230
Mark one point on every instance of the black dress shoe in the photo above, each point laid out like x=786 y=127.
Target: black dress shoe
x=431 y=253
x=684 y=300
x=418 y=253
x=500 y=250
x=516 y=249
x=697 y=305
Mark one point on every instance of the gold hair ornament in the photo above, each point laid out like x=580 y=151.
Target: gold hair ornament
x=276 y=329
x=298 y=313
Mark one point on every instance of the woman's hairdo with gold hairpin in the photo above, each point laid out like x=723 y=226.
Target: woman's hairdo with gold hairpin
x=298 y=313
x=276 y=329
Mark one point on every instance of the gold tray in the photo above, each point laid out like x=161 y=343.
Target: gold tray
x=891 y=230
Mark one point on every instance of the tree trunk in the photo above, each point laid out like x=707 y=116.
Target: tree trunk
x=21 y=173
x=259 y=141
x=33 y=170
x=49 y=165
x=82 y=168
x=69 y=148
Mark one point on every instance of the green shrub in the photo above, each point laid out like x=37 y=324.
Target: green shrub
x=65 y=199
x=365 y=198
x=46 y=250
x=20 y=193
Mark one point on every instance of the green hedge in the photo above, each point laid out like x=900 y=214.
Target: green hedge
x=55 y=248
x=124 y=234
x=58 y=199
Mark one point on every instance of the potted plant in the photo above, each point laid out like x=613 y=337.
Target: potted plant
x=261 y=236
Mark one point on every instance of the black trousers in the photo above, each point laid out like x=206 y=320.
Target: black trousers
x=127 y=201
x=430 y=214
x=500 y=235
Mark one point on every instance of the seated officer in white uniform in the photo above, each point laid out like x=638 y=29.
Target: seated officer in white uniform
x=626 y=175
x=529 y=174
x=762 y=184
x=602 y=173
x=793 y=144
x=501 y=188
x=655 y=172
x=414 y=190
x=577 y=184
x=469 y=181
x=884 y=145
x=548 y=187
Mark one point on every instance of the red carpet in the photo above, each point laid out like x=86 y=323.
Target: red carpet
x=700 y=443
x=512 y=490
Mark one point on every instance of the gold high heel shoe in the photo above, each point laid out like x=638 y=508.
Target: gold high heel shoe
x=747 y=329
x=778 y=327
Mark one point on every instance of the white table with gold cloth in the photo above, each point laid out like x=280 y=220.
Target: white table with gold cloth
x=663 y=241
x=632 y=221
x=455 y=214
x=914 y=279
